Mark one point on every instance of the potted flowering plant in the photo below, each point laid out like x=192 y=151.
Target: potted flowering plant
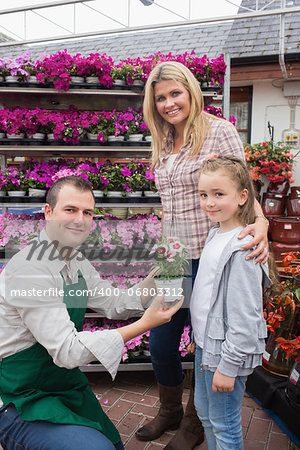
x=4 y=71
x=99 y=183
x=94 y=125
x=282 y=314
x=13 y=182
x=135 y=125
x=134 y=178
x=97 y=69
x=170 y=262
x=150 y=188
x=119 y=75
x=115 y=186
x=274 y=161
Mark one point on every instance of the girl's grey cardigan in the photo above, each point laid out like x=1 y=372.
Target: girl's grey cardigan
x=235 y=333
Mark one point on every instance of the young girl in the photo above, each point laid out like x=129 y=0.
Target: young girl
x=183 y=134
x=226 y=305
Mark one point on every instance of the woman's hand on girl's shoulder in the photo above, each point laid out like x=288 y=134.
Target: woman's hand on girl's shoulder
x=259 y=231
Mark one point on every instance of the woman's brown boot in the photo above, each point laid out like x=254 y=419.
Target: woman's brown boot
x=191 y=432
x=169 y=415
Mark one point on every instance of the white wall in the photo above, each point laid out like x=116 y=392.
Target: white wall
x=269 y=104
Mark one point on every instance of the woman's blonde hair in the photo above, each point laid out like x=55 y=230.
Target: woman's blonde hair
x=197 y=124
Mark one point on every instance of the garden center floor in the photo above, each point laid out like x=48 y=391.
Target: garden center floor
x=132 y=399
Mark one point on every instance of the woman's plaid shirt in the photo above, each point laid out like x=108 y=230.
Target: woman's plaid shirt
x=178 y=188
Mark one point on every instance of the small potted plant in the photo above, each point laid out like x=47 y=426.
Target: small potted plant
x=99 y=183
x=134 y=178
x=170 y=261
x=13 y=182
x=150 y=189
x=118 y=74
x=116 y=180
x=282 y=314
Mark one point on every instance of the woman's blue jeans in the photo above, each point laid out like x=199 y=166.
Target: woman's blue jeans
x=17 y=434
x=219 y=412
x=164 y=340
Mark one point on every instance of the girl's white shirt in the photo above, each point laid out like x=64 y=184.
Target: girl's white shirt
x=202 y=291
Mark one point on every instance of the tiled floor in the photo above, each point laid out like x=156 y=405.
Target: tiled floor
x=132 y=399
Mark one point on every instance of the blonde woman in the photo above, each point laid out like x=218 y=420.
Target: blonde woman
x=183 y=137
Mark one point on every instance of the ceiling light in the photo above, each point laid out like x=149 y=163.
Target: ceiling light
x=147 y=2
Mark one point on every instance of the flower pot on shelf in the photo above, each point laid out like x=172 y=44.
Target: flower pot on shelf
x=97 y=193
x=32 y=79
x=286 y=230
x=293 y=207
x=119 y=82
x=15 y=136
x=11 y=79
x=33 y=192
x=135 y=137
x=38 y=136
x=2 y=135
x=138 y=83
x=2 y=193
x=151 y=194
x=148 y=138
x=114 y=194
x=295 y=190
x=91 y=136
x=77 y=80
x=279 y=188
x=92 y=80
x=113 y=138
x=134 y=194
x=274 y=360
x=273 y=204
x=16 y=193
x=146 y=352
x=172 y=289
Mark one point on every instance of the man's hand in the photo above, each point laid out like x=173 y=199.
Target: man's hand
x=222 y=383
x=148 y=286
x=158 y=313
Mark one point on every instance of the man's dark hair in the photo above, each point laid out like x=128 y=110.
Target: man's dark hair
x=73 y=180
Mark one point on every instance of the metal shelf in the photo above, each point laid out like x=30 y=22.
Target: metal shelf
x=112 y=151
x=105 y=202
x=127 y=367
x=84 y=90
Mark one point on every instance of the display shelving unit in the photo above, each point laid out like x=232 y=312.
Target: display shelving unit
x=86 y=98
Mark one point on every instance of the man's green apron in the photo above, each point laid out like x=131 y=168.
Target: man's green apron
x=40 y=390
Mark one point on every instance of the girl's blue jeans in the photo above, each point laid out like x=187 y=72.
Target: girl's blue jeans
x=17 y=434
x=219 y=412
x=164 y=340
